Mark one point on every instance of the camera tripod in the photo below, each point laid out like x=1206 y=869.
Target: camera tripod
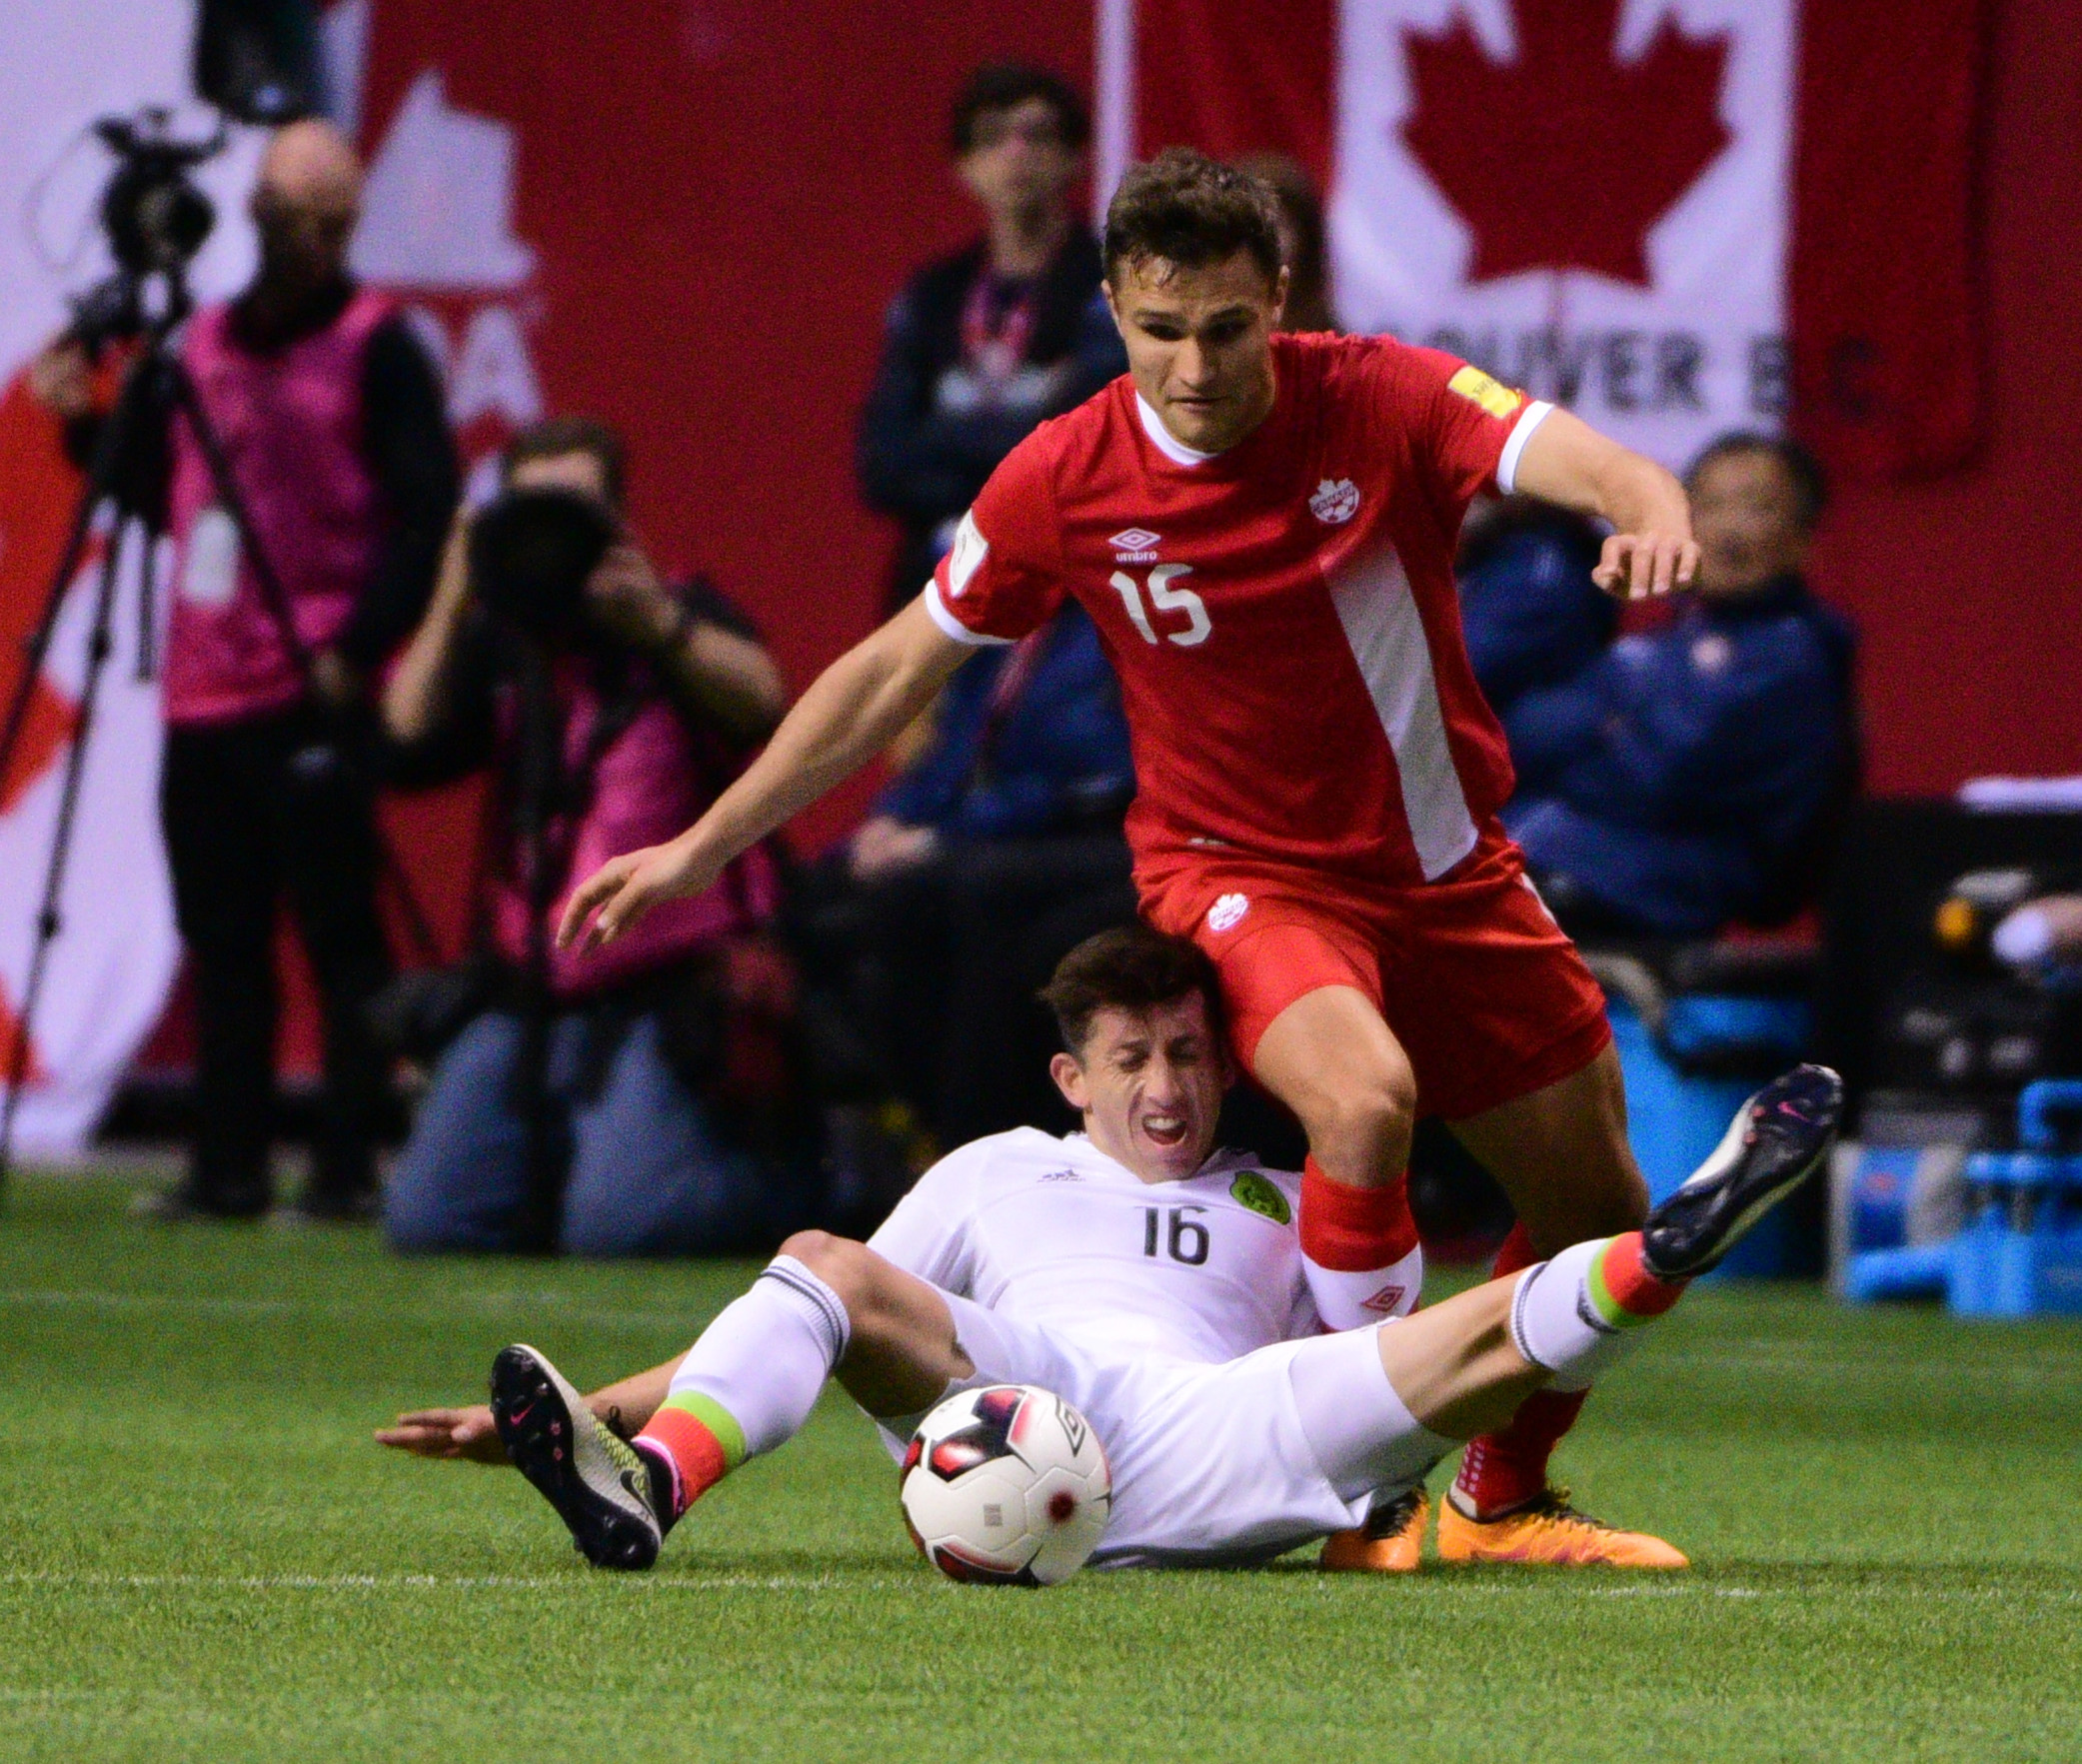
x=123 y=497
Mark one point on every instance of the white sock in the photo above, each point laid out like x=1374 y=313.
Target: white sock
x=1353 y=1300
x=1578 y=1313
x=764 y=1358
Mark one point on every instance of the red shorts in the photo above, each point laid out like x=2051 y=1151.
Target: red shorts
x=1487 y=996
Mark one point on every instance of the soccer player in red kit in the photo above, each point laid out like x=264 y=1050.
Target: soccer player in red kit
x=1262 y=529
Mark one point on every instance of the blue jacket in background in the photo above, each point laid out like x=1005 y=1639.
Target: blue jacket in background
x=1675 y=778
x=927 y=441
x=1058 y=756
x=1531 y=613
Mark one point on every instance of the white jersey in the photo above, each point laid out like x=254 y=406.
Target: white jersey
x=1054 y=1233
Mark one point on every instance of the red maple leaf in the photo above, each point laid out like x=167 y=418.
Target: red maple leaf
x=1563 y=157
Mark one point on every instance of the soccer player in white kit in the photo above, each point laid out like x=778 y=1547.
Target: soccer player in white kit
x=1154 y=1283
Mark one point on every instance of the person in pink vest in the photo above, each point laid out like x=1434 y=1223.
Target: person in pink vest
x=333 y=422
x=657 y=694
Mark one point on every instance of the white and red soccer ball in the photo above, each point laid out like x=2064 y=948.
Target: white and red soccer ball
x=1007 y=1485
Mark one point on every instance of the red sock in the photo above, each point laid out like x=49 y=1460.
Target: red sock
x=1632 y=1287
x=1353 y=1229
x=1358 y=1246
x=1509 y=1468
x=1514 y=1255
x=697 y=1448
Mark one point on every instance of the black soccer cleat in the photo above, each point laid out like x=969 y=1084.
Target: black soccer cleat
x=598 y=1484
x=1775 y=1143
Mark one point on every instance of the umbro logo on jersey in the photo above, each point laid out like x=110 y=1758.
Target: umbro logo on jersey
x=970 y=547
x=1334 y=502
x=1227 y=910
x=1135 y=545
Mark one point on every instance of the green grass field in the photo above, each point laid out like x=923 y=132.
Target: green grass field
x=202 y=1556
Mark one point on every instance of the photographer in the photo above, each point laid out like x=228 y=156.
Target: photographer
x=650 y=696
x=331 y=424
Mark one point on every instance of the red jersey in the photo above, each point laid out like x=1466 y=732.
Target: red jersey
x=1282 y=615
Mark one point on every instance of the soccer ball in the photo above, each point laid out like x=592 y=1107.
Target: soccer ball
x=1007 y=1485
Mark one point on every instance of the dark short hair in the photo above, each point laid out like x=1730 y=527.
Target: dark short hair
x=1811 y=483
x=1186 y=209
x=1001 y=85
x=555 y=437
x=1129 y=967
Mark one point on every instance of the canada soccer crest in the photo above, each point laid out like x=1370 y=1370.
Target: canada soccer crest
x=1334 y=502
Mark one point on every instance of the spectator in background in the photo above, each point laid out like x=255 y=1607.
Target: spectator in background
x=1685 y=779
x=984 y=345
x=333 y=423
x=1532 y=615
x=997 y=851
x=657 y=693
x=1300 y=215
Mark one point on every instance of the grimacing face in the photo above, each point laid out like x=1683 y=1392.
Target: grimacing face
x=1198 y=343
x=1745 y=512
x=1149 y=1085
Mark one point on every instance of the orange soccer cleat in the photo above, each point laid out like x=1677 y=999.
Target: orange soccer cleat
x=1549 y=1532
x=1391 y=1542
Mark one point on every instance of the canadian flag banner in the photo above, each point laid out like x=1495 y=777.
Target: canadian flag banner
x=1676 y=217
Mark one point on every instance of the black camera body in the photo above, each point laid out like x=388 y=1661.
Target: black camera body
x=155 y=220
x=530 y=553
x=154 y=215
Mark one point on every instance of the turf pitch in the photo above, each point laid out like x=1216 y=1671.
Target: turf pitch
x=202 y=1556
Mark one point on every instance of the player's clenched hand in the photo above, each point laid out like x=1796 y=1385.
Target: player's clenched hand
x=1637 y=566
x=623 y=889
x=445 y=1434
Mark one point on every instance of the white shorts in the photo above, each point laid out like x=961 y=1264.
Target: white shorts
x=1220 y=1465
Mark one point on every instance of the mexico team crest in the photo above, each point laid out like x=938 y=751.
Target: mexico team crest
x=1262 y=1195
x=1334 y=502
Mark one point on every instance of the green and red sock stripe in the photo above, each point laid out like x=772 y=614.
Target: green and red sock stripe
x=1622 y=1290
x=703 y=1440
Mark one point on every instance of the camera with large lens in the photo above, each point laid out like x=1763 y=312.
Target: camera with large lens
x=530 y=554
x=153 y=215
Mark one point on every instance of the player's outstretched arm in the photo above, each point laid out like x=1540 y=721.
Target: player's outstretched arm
x=469 y=1433
x=1651 y=550
x=856 y=706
